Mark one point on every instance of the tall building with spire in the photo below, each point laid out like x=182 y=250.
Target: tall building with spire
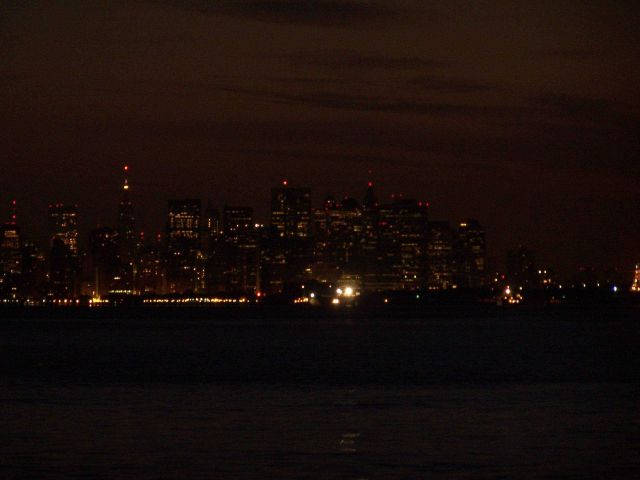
x=127 y=238
x=126 y=218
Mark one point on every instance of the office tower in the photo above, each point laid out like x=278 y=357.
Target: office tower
x=291 y=211
x=183 y=245
x=289 y=248
x=64 y=259
x=241 y=249
x=103 y=268
x=338 y=240
x=402 y=240
x=63 y=225
x=470 y=255
x=369 y=240
x=10 y=257
x=440 y=256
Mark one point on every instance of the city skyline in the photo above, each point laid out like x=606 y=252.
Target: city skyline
x=522 y=115
x=126 y=211
x=370 y=244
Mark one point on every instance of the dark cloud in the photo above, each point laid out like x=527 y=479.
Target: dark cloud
x=364 y=103
x=453 y=85
x=603 y=112
x=306 y=12
x=345 y=59
x=566 y=53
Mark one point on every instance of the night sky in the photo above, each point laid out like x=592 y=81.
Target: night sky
x=523 y=115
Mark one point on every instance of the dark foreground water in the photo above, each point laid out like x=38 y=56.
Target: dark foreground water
x=492 y=398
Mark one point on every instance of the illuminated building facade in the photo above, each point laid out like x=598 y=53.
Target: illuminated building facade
x=10 y=257
x=291 y=211
x=64 y=259
x=337 y=239
x=152 y=269
x=241 y=249
x=440 y=256
x=63 y=225
x=402 y=243
x=288 y=253
x=183 y=245
x=104 y=261
x=635 y=285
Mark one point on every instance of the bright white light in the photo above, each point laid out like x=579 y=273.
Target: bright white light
x=348 y=291
x=339 y=291
x=507 y=291
x=312 y=295
x=615 y=289
x=335 y=301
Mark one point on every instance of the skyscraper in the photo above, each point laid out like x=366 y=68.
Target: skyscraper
x=337 y=240
x=440 y=256
x=10 y=256
x=402 y=242
x=289 y=248
x=126 y=218
x=64 y=259
x=470 y=254
x=291 y=211
x=241 y=249
x=104 y=261
x=63 y=225
x=183 y=245
x=127 y=239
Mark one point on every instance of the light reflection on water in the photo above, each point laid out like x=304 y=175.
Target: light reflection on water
x=217 y=431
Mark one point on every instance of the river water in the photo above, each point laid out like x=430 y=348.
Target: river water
x=439 y=399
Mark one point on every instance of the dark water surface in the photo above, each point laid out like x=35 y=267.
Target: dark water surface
x=468 y=398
